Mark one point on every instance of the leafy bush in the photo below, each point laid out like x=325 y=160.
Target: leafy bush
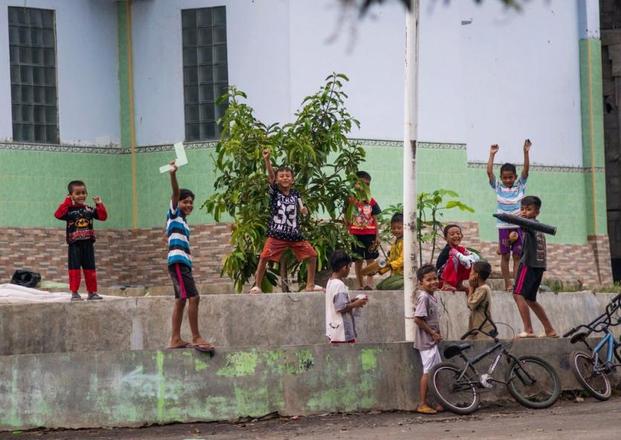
x=324 y=161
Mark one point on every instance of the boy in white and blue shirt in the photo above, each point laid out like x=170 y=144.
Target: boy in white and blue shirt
x=180 y=266
x=510 y=190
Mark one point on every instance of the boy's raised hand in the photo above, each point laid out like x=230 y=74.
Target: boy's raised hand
x=527 y=145
x=97 y=200
x=173 y=167
x=266 y=153
x=494 y=149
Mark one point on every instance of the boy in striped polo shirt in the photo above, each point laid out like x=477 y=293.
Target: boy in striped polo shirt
x=509 y=192
x=180 y=266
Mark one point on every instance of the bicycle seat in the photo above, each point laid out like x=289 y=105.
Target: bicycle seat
x=578 y=337
x=454 y=349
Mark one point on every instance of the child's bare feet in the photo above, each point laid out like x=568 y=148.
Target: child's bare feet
x=177 y=343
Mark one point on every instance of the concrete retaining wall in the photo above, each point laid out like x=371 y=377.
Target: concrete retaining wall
x=250 y=321
x=130 y=388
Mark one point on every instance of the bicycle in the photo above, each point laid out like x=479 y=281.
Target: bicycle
x=530 y=380
x=589 y=368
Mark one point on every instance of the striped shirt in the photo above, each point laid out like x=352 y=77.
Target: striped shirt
x=178 y=234
x=508 y=199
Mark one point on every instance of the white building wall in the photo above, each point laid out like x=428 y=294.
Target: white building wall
x=258 y=62
x=277 y=53
x=487 y=74
x=500 y=77
x=87 y=70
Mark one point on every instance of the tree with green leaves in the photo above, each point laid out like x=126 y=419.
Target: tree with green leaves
x=324 y=162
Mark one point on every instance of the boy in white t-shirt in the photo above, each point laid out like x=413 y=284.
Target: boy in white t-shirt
x=427 y=331
x=340 y=322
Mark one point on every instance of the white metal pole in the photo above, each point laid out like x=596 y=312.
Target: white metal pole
x=409 y=165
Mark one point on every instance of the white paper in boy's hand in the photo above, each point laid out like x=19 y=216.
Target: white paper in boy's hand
x=181 y=159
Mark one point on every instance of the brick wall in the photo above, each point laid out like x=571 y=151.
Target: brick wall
x=135 y=257
x=589 y=263
x=138 y=257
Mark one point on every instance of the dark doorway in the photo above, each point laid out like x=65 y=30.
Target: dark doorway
x=610 y=25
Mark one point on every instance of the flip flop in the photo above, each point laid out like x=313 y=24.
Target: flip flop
x=255 y=290
x=186 y=345
x=554 y=335
x=204 y=348
x=425 y=409
x=526 y=335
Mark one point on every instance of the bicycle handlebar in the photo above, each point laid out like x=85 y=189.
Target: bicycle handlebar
x=492 y=334
x=571 y=332
x=603 y=321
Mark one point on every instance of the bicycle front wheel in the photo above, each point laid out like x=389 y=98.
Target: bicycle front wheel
x=596 y=383
x=533 y=382
x=456 y=394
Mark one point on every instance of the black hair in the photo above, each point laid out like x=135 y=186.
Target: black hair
x=449 y=226
x=508 y=167
x=363 y=175
x=483 y=269
x=339 y=259
x=185 y=193
x=73 y=184
x=531 y=200
x=424 y=270
x=284 y=168
x=397 y=217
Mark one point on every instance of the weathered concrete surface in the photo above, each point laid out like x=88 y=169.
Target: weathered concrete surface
x=251 y=321
x=99 y=389
x=567 y=420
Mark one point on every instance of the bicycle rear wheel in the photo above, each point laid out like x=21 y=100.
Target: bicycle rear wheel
x=457 y=395
x=596 y=383
x=533 y=382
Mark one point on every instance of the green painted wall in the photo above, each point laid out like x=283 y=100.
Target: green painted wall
x=35 y=182
x=593 y=157
x=124 y=42
x=448 y=168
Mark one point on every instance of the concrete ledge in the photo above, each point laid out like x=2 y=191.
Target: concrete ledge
x=131 y=388
x=251 y=320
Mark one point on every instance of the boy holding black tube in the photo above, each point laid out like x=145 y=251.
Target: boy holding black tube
x=530 y=272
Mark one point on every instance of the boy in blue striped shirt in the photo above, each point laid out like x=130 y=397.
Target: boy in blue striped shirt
x=180 y=266
x=510 y=191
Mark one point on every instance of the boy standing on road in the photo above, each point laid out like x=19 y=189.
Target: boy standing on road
x=427 y=331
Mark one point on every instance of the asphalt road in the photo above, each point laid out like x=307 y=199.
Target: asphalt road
x=568 y=419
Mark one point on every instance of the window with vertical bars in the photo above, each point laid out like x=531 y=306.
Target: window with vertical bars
x=205 y=71
x=32 y=46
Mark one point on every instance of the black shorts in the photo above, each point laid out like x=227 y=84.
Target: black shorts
x=182 y=280
x=81 y=255
x=366 y=249
x=527 y=282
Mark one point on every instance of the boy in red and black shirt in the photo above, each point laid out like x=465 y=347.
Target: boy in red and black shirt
x=363 y=226
x=80 y=237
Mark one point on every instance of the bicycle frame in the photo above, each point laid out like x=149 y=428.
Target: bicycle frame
x=609 y=342
x=470 y=363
